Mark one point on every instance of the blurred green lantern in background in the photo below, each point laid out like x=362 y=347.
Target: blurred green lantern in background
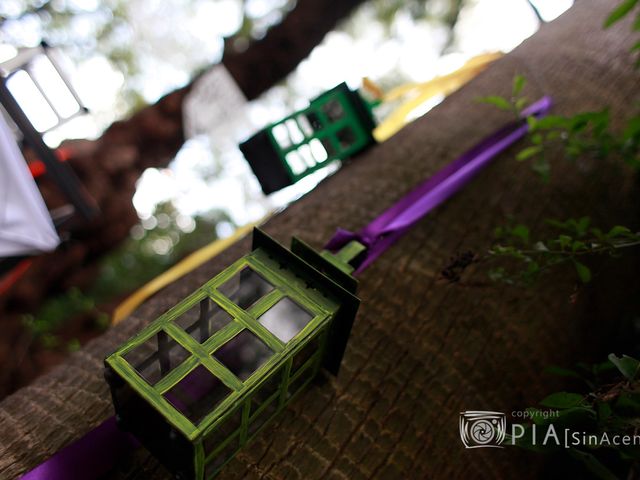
x=201 y=380
x=335 y=126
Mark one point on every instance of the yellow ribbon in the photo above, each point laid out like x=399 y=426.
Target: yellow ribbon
x=181 y=268
x=421 y=92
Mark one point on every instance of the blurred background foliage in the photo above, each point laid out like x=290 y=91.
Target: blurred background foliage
x=161 y=240
x=124 y=54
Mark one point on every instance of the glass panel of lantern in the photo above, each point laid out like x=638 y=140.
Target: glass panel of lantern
x=203 y=320
x=156 y=357
x=245 y=288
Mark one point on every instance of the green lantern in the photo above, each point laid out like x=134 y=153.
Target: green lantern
x=205 y=377
x=334 y=126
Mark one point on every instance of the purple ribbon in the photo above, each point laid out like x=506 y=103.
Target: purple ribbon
x=88 y=457
x=388 y=227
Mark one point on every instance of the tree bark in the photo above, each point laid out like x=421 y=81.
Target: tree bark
x=421 y=350
x=270 y=60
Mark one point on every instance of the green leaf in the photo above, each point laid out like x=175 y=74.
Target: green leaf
x=519 y=82
x=522 y=232
x=564 y=241
x=500 y=102
x=528 y=152
x=520 y=103
x=578 y=245
x=604 y=411
x=627 y=365
x=627 y=405
x=618 y=231
x=576 y=417
x=620 y=12
x=73 y=345
x=562 y=400
x=632 y=129
x=551 y=121
x=603 y=367
x=584 y=273
x=542 y=167
x=592 y=464
x=582 y=224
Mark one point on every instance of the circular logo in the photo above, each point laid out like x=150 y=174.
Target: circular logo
x=483 y=431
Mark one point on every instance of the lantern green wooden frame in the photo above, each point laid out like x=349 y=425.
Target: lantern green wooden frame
x=334 y=126
x=198 y=447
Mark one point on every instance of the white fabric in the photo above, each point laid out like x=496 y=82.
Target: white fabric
x=25 y=224
x=216 y=107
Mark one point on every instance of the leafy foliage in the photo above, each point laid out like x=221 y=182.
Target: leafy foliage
x=575 y=238
x=610 y=404
x=587 y=134
x=513 y=104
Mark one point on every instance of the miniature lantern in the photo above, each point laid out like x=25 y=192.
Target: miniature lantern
x=38 y=97
x=202 y=380
x=334 y=126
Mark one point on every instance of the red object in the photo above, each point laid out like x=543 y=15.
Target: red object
x=14 y=275
x=38 y=168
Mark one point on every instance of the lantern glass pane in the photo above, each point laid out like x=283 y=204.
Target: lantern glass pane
x=267 y=390
x=203 y=320
x=295 y=162
x=243 y=354
x=295 y=133
x=281 y=135
x=301 y=358
x=285 y=319
x=55 y=87
x=300 y=381
x=346 y=137
x=197 y=394
x=245 y=288
x=156 y=357
x=259 y=419
x=229 y=427
x=307 y=156
x=319 y=152
x=333 y=110
x=220 y=458
x=305 y=125
x=32 y=102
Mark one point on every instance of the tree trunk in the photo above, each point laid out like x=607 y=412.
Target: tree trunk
x=421 y=350
x=110 y=166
